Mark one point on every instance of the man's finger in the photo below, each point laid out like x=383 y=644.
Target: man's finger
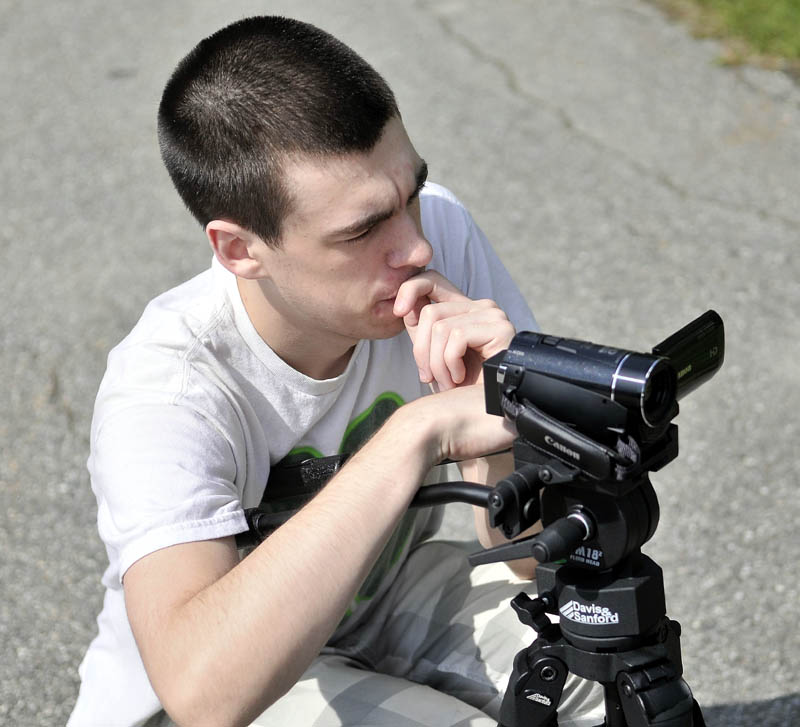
x=422 y=327
x=412 y=318
x=431 y=285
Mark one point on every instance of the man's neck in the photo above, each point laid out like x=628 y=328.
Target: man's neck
x=304 y=352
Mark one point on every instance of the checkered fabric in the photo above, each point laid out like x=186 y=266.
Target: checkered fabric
x=437 y=651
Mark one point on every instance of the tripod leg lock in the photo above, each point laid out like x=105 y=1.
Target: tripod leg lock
x=536 y=688
x=656 y=695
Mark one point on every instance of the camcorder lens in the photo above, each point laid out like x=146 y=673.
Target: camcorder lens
x=659 y=394
x=646 y=383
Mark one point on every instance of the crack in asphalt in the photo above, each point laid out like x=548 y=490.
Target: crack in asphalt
x=56 y=399
x=513 y=85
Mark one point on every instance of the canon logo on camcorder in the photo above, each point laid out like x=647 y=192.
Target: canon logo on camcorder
x=561 y=447
x=588 y=613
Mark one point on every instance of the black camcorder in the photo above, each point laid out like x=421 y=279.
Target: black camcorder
x=592 y=421
x=601 y=392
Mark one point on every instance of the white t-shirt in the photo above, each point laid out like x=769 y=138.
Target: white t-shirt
x=195 y=409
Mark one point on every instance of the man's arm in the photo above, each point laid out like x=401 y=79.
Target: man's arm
x=222 y=640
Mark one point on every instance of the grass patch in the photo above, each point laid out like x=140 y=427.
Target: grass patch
x=762 y=32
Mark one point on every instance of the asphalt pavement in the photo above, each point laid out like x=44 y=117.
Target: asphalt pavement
x=628 y=180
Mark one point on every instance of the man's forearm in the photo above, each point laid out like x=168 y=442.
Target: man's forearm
x=237 y=645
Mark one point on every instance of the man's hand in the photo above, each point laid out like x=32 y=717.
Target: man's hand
x=452 y=334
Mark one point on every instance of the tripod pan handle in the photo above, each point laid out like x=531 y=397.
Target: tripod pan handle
x=560 y=538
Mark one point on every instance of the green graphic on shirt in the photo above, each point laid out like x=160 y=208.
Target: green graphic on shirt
x=359 y=431
x=367 y=423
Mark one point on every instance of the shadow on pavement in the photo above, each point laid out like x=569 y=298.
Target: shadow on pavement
x=780 y=712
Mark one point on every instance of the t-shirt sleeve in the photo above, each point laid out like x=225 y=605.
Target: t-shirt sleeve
x=162 y=475
x=466 y=258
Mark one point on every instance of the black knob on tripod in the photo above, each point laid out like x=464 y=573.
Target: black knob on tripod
x=560 y=538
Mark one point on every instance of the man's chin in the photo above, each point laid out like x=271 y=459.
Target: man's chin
x=387 y=327
x=385 y=323
x=391 y=329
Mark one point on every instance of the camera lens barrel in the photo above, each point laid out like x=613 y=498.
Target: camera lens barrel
x=644 y=382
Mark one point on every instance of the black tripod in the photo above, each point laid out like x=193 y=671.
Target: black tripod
x=593 y=421
x=641 y=679
x=613 y=627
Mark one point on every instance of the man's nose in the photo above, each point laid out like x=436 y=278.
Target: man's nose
x=409 y=248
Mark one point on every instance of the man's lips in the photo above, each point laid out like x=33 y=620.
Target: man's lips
x=391 y=293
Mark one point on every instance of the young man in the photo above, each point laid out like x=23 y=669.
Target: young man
x=343 y=289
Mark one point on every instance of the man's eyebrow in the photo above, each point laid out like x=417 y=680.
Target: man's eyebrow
x=422 y=177
x=363 y=224
x=371 y=220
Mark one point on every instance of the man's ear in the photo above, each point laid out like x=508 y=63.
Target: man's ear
x=233 y=246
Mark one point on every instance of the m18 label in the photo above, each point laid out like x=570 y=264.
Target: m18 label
x=587 y=556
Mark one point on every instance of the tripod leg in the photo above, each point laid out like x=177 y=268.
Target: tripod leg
x=615 y=717
x=657 y=696
x=534 y=690
x=697 y=715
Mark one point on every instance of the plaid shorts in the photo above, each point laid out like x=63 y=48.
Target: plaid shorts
x=437 y=651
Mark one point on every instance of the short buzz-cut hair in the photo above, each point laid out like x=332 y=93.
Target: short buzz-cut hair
x=249 y=97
